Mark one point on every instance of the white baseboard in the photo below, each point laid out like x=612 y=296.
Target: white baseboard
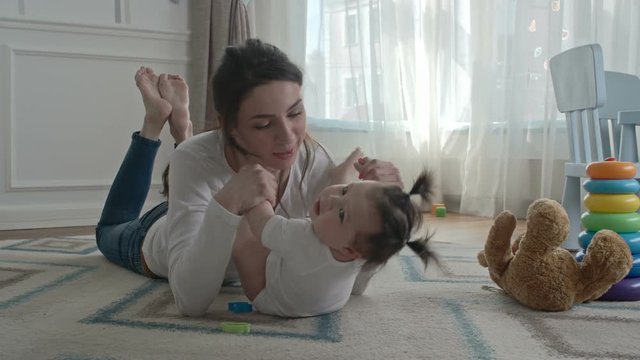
x=44 y=216
x=41 y=216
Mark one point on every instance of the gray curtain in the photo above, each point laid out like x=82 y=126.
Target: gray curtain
x=215 y=25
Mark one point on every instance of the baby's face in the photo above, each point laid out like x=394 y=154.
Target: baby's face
x=343 y=211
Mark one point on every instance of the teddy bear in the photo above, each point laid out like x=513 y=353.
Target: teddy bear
x=540 y=274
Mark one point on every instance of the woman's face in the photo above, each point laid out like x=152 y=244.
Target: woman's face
x=272 y=124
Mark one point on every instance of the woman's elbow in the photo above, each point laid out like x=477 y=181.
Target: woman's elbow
x=188 y=307
x=191 y=309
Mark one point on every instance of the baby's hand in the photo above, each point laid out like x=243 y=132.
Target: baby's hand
x=346 y=172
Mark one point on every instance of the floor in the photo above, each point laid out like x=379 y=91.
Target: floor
x=46 y=232
x=461 y=229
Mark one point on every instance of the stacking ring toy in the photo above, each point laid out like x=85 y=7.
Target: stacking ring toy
x=625 y=290
x=622 y=186
x=625 y=222
x=612 y=203
x=611 y=170
x=631 y=238
x=635 y=268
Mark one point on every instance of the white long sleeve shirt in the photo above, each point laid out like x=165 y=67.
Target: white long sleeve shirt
x=191 y=246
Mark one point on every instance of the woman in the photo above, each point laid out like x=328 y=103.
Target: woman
x=262 y=152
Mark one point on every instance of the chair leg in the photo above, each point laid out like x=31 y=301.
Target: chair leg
x=572 y=203
x=628 y=144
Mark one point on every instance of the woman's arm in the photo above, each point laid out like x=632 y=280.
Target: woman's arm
x=201 y=230
x=200 y=233
x=250 y=186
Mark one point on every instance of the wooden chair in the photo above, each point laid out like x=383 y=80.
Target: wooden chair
x=591 y=99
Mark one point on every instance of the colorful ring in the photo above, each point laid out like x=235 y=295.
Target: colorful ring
x=624 y=186
x=612 y=203
x=621 y=222
x=631 y=238
x=635 y=268
x=625 y=290
x=611 y=170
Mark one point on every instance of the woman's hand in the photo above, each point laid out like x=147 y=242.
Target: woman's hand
x=379 y=170
x=250 y=186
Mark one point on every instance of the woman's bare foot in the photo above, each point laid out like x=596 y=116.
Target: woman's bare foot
x=157 y=109
x=174 y=89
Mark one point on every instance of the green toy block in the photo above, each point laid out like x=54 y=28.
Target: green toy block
x=441 y=211
x=236 y=327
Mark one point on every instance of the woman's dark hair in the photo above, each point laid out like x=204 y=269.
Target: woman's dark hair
x=400 y=217
x=165 y=182
x=243 y=68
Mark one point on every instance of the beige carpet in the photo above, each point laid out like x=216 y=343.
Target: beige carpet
x=60 y=299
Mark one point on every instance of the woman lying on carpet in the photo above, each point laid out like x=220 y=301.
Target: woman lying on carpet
x=217 y=174
x=311 y=264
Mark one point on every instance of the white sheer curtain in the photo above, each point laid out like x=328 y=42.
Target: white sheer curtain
x=460 y=86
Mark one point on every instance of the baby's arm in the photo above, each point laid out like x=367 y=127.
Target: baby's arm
x=363 y=278
x=248 y=254
x=258 y=217
x=345 y=172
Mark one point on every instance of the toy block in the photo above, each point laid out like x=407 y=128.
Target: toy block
x=434 y=206
x=240 y=307
x=236 y=327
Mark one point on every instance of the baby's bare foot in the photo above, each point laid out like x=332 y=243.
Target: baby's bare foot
x=174 y=89
x=157 y=109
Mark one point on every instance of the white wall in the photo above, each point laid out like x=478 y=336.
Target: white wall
x=68 y=102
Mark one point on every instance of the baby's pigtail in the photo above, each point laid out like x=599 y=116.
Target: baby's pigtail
x=401 y=221
x=423 y=186
x=422 y=249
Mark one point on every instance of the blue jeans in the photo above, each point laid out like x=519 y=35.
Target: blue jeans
x=121 y=231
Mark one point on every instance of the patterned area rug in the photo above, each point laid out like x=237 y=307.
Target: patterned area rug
x=60 y=299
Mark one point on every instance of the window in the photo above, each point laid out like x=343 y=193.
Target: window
x=351 y=32
x=374 y=25
x=350 y=88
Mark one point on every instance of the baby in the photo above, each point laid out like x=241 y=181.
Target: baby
x=311 y=264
